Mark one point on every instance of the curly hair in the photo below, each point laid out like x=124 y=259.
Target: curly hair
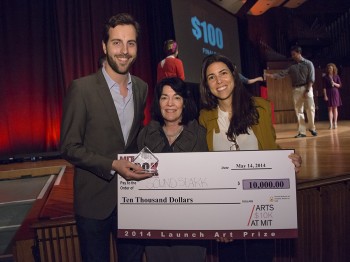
x=170 y=47
x=245 y=113
x=189 y=111
x=335 y=69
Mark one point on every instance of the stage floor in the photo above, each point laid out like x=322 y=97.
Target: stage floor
x=324 y=156
x=16 y=199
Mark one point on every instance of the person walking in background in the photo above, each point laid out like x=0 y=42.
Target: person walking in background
x=302 y=74
x=235 y=120
x=102 y=116
x=173 y=128
x=331 y=83
x=171 y=65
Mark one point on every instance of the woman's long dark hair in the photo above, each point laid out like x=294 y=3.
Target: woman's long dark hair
x=245 y=114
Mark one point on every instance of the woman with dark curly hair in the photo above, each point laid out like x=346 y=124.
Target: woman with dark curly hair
x=235 y=120
x=174 y=128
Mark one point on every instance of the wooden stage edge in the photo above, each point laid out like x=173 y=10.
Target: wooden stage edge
x=324 y=156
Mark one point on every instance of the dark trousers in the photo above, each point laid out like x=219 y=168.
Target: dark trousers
x=94 y=238
x=175 y=250
x=254 y=250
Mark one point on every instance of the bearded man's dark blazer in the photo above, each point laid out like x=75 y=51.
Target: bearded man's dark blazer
x=91 y=138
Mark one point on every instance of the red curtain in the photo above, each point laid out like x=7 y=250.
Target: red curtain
x=44 y=45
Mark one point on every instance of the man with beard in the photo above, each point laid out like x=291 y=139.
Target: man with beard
x=102 y=115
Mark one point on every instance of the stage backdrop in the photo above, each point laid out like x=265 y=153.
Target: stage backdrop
x=45 y=44
x=201 y=29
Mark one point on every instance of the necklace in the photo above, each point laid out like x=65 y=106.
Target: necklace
x=229 y=112
x=234 y=144
x=172 y=137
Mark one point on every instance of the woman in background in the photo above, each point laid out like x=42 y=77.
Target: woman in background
x=331 y=83
x=171 y=65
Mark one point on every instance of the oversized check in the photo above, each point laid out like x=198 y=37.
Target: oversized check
x=236 y=194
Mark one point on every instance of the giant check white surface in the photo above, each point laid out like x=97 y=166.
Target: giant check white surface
x=238 y=194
